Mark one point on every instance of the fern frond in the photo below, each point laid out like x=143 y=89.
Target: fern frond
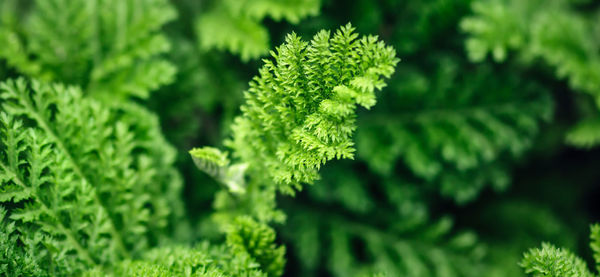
x=71 y=154
x=20 y=255
x=289 y=10
x=585 y=134
x=552 y=261
x=236 y=25
x=250 y=252
x=460 y=136
x=109 y=47
x=240 y=35
x=554 y=33
x=203 y=260
x=549 y=31
x=258 y=240
x=216 y=164
x=300 y=110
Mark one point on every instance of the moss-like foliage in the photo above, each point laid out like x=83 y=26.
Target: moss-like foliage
x=300 y=113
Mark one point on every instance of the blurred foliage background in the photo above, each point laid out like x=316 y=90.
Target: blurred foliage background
x=482 y=145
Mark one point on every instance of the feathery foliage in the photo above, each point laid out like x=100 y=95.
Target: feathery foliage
x=450 y=134
x=249 y=252
x=318 y=85
x=553 y=32
x=281 y=154
x=235 y=25
x=216 y=164
x=460 y=167
x=97 y=192
x=109 y=47
x=552 y=261
x=20 y=255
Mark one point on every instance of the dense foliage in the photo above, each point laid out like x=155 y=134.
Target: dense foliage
x=274 y=138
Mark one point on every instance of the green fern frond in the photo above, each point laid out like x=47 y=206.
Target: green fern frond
x=59 y=151
x=289 y=10
x=236 y=25
x=203 y=260
x=555 y=262
x=20 y=255
x=250 y=252
x=300 y=110
x=585 y=134
x=109 y=47
x=549 y=31
x=552 y=261
x=456 y=130
x=258 y=240
x=553 y=33
x=240 y=35
x=216 y=164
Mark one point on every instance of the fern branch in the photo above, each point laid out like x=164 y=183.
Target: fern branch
x=13 y=176
x=30 y=110
x=292 y=123
x=108 y=171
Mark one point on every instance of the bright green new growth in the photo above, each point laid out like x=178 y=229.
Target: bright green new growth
x=555 y=262
x=552 y=261
x=235 y=25
x=78 y=187
x=300 y=110
x=108 y=47
x=216 y=164
x=19 y=255
x=549 y=31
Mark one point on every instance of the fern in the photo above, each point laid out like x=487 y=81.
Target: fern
x=585 y=134
x=556 y=34
x=250 y=252
x=236 y=25
x=60 y=151
x=216 y=164
x=318 y=85
x=449 y=133
x=552 y=261
x=20 y=255
x=109 y=47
